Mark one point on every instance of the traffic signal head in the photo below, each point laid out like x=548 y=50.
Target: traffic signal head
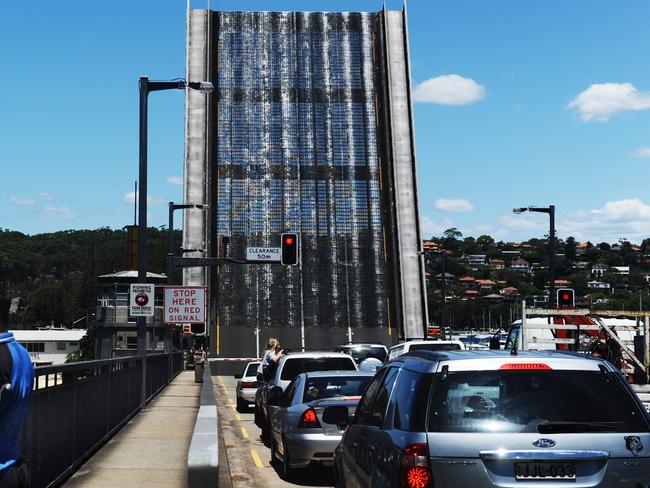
x=566 y=298
x=289 y=248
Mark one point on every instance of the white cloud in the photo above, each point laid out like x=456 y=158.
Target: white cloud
x=47 y=196
x=449 y=90
x=628 y=218
x=602 y=100
x=151 y=200
x=642 y=152
x=22 y=201
x=50 y=212
x=453 y=205
x=175 y=180
x=429 y=228
x=628 y=209
x=525 y=221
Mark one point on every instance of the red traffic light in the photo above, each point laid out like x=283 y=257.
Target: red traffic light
x=289 y=250
x=565 y=298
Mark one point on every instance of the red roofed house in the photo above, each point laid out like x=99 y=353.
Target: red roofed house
x=466 y=281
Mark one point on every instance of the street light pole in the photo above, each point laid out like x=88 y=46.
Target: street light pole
x=146 y=86
x=550 y=210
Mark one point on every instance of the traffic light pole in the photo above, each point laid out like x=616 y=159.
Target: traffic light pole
x=551 y=255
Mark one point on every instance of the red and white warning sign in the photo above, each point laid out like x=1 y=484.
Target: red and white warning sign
x=184 y=305
x=142 y=301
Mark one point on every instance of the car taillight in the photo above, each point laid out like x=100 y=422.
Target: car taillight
x=309 y=420
x=249 y=384
x=416 y=472
x=525 y=367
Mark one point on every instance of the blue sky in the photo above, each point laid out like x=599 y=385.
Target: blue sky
x=517 y=103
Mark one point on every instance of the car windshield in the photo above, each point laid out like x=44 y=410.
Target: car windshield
x=335 y=386
x=533 y=401
x=294 y=366
x=434 y=346
x=251 y=370
x=361 y=353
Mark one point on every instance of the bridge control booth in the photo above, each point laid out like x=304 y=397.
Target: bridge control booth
x=116 y=329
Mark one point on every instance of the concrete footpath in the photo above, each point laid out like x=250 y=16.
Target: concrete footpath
x=151 y=450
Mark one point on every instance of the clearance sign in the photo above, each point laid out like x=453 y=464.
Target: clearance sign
x=184 y=305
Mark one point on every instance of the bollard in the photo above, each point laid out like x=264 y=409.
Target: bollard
x=198 y=371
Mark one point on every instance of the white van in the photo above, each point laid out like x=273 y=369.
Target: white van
x=422 y=345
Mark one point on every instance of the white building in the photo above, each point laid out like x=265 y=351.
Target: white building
x=598 y=285
x=49 y=346
x=622 y=270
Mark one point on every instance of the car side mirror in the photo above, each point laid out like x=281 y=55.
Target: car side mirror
x=238 y=376
x=336 y=414
x=274 y=396
x=260 y=378
x=494 y=342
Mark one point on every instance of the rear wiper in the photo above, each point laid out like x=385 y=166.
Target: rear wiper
x=570 y=427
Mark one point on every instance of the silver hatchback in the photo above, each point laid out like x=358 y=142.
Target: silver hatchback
x=299 y=435
x=487 y=418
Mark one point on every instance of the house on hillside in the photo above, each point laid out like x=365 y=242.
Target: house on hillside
x=562 y=283
x=485 y=285
x=429 y=246
x=449 y=278
x=598 y=270
x=510 y=255
x=474 y=261
x=509 y=293
x=520 y=265
x=496 y=264
x=467 y=281
x=471 y=294
x=621 y=270
x=581 y=248
x=598 y=285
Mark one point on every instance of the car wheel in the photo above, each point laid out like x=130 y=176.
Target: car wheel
x=241 y=405
x=275 y=455
x=257 y=416
x=338 y=479
x=266 y=431
x=287 y=471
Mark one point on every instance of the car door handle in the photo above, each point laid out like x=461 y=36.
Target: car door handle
x=372 y=448
x=355 y=445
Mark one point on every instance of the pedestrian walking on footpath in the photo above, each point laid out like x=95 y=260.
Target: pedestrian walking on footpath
x=16 y=380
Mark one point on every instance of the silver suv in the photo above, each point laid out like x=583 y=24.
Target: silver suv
x=488 y=418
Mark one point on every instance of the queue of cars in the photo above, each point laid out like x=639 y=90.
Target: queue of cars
x=454 y=417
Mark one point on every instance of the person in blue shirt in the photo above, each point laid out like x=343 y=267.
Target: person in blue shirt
x=16 y=380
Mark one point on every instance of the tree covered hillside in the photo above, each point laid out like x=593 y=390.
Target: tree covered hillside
x=55 y=274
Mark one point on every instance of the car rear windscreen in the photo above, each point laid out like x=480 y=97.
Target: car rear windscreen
x=294 y=366
x=434 y=346
x=362 y=353
x=251 y=370
x=335 y=386
x=549 y=401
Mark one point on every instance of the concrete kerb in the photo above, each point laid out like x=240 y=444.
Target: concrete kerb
x=203 y=454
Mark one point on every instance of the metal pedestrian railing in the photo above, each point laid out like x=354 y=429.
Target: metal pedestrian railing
x=77 y=407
